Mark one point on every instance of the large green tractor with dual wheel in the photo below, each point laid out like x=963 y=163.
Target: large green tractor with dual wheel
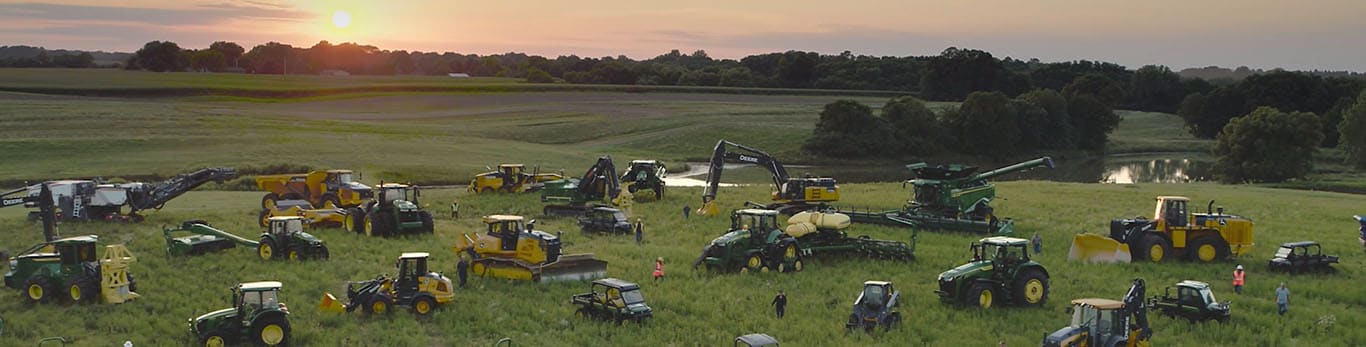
x=394 y=211
x=258 y=317
x=755 y=242
x=1000 y=273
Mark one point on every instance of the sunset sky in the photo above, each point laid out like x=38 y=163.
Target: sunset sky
x=1311 y=34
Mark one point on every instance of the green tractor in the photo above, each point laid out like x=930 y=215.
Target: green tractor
x=286 y=239
x=394 y=211
x=1008 y=276
x=258 y=316
x=68 y=268
x=755 y=242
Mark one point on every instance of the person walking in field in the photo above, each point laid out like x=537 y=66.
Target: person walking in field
x=1238 y=279
x=1037 y=241
x=1362 y=232
x=640 y=231
x=686 y=210
x=659 y=269
x=780 y=303
x=462 y=269
x=455 y=209
x=1283 y=298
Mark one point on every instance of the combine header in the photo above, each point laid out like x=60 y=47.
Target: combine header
x=952 y=197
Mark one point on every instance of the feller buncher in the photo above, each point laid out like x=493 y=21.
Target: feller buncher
x=512 y=249
x=68 y=268
x=1106 y=322
x=320 y=188
x=578 y=196
x=511 y=178
x=1173 y=231
x=414 y=287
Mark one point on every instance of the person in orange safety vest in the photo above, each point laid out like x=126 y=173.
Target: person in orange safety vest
x=1238 y=279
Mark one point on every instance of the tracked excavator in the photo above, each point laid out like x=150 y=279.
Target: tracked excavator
x=91 y=200
x=578 y=196
x=512 y=248
x=794 y=194
x=1105 y=322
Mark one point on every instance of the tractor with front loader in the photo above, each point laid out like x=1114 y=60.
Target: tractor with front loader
x=1173 y=232
x=1000 y=272
x=875 y=307
x=612 y=300
x=258 y=316
x=337 y=188
x=512 y=249
x=1106 y=322
x=645 y=175
x=284 y=238
x=415 y=288
x=394 y=211
x=69 y=269
x=1193 y=301
x=511 y=178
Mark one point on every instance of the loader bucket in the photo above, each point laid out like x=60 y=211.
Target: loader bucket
x=330 y=304
x=574 y=267
x=709 y=209
x=1098 y=249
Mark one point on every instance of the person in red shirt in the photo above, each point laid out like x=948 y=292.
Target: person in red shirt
x=659 y=269
x=1238 y=279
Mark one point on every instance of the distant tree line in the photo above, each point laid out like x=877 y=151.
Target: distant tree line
x=28 y=56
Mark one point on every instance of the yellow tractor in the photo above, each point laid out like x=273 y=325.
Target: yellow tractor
x=1173 y=231
x=510 y=178
x=513 y=249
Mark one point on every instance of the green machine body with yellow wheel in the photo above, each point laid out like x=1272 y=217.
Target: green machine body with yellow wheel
x=258 y=316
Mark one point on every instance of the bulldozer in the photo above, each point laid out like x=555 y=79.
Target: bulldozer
x=1172 y=232
x=513 y=249
x=1106 y=322
x=320 y=188
x=68 y=268
x=511 y=178
x=414 y=287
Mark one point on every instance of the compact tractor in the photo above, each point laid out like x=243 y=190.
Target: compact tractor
x=578 y=196
x=323 y=188
x=1172 y=232
x=794 y=194
x=511 y=248
x=951 y=197
x=613 y=300
x=68 y=268
x=1000 y=272
x=394 y=211
x=258 y=317
x=415 y=288
x=1106 y=322
x=875 y=307
x=284 y=238
x=1193 y=301
x=645 y=175
x=605 y=219
x=511 y=178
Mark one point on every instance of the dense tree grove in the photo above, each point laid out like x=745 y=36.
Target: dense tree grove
x=1267 y=145
x=1353 y=130
x=849 y=129
x=1207 y=113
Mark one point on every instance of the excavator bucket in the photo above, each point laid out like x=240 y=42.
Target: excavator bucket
x=574 y=267
x=709 y=209
x=331 y=304
x=1098 y=249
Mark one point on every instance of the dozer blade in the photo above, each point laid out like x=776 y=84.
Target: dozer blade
x=709 y=209
x=1098 y=249
x=574 y=267
x=330 y=304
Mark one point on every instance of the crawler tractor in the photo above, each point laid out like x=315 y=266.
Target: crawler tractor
x=511 y=248
x=415 y=288
x=258 y=317
x=68 y=268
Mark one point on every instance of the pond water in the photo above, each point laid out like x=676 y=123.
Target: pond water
x=1109 y=170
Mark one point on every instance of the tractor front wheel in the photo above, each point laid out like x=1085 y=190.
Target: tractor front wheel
x=423 y=305
x=754 y=262
x=428 y=226
x=379 y=304
x=293 y=255
x=271 y=331
x=214 y=339
x=332 y=199
x=581 y=314
x=266 y=249
x=38 y=289
x=1031 y=288
x=983 y=293
x=1155 y=248
x=263 y=218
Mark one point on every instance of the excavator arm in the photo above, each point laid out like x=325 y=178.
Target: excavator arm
x=155 y=195
x=601 y=173
x=745 y=154
x=1136 y=308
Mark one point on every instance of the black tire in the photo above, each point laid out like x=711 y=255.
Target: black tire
x=323 y=254
x=266 y=250
x=428 y=226
x=215 y=338
x=1119 y=343
x=753 y=262
x=632 y=188
x=975 y=295
x=1026 y=289
x=355 y=220
x=379 y=225
x=83 y=289
x=582 y=314
x=271 y=198
x=424 y=300
x=262 y=217
x=659 y=192
x=893 y=319
x=336 y=203
x=486 y=190
x=132 y=283
x=378 y=304
x=38 y=289
x=1194 y=252
x=265 y=323
x=1150 y=244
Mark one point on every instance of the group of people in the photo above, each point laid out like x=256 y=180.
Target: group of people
x=1282 y=292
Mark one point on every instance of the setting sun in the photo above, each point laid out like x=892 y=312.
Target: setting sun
x=341 y=19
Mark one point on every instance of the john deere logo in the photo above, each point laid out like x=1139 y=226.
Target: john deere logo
x=748 y=159
x=14 y=201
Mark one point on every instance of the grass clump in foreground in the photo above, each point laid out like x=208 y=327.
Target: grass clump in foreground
x=697 y=308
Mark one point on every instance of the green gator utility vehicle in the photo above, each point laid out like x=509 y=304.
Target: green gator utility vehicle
x=1008 y=276
x=613 y=300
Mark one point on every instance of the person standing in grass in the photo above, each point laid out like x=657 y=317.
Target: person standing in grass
x=1238 y=279
x=1283 y=298
x=659 y=269
x=686 y=210
x=640 y=231
x=455 y=209
x=463 y=270
x=1037 y=241
x=1362 y=232
x=780 y=303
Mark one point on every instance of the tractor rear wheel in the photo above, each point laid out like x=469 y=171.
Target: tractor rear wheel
x=1031 y=288
x=293 y=255
x=892 y=320
x=271 y=331
x=269 y=200
x=355 y=220
x=83 y=289
x=983 y=294
x=214 y=339
x=1155 y=248
x=266 y=249
x=428 y=226
x=376 y=225
x=38 y=289
x=424 y=305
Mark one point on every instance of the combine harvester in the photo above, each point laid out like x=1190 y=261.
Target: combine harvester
x=285 y=239
x=578 y=196
x=1172 y=232
x=512 y=249
x=755 y=242
x=952 y=197
x=794 y=194
x=84 y=200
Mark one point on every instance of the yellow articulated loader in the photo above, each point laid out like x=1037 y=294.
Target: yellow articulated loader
x=415 y=287
x=513 y=249
x=1172 y=232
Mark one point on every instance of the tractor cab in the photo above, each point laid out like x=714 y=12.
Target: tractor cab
x=1003 y=251
x=256 y=297
x=756 y=222
x=391 y=193
x=755 y=340
x=286 y=225
x=347 y=189
x=414 y=279
x=1095 y=322
x=876 y=294
x=511 y=173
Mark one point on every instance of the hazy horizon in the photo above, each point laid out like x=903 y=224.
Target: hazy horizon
x=1260 y=34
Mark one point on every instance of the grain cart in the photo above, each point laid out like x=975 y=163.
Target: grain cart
x=511 y=178
x=1193 y=301
x=1000 y=272
x=1106 y=322
x=258 y=316
x=613 y=300
x=68 y=268
x=320 y=188
x=876 y=306
x=415 y=287
x=645 y=175
x=512 y=248
x=395 y=211
x=1173 y=231
x=1302 y=256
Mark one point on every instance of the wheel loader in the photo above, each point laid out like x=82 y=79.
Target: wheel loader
x=511 y=178
x=68 y=268
x=512 y=248
x=415 y=288
x=1173 y=232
